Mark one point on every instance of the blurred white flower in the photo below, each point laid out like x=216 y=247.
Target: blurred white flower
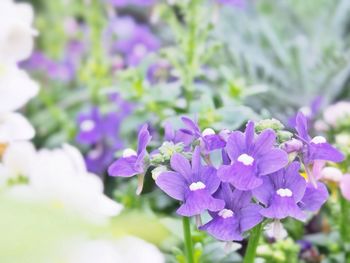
x=14 y=127
x=128 y=249
x=336 y=112
x=331 y=174
x=16 y=31
x=16 y=88
x=58 y=176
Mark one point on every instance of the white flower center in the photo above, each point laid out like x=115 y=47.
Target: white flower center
x=87 y=125
x=197 y=186
x=245 y=159
x=284 y=192
x=129 y=152
x=226 y=213
x=318 y=140
x=208 y=131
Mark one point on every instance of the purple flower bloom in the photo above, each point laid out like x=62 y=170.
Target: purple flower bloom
x=134 y=41
x=314 y=197
x=177 y=136
x=99 y=157
x=238 y=216
x=132 y=163
x=193 y=184
x=236 y=3
x=281 y=192
x=209 y=141
x=251 y=158
x=90 y=127
x=310 y=112
x=315 y=148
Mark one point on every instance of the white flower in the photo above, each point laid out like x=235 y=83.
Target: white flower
x=276 y=230
x=128 y=249
x=16 y=88
x=60 y=177
x=14 y=127
x=336 y=112
x=16 y=31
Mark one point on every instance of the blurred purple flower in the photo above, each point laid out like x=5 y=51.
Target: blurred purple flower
x=239 y=215
x=193 y=184
x=310 y=112
x=236 y=3
x=132 y=163
x=134 y=41
x=281 y=192
x=251 y=158
x=90 y=127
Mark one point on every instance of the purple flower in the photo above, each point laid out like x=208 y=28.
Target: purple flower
x=251 y=158
x=132 y=163
x=314 y=197
x=209 y=141
x=177 y=136
x=90 y=128
x=236 y=3
x=99 y=157
x=315 y=148
x=193 y=184
x=281 y=192
x=310 y=112
x=238 y=215
x=134 y=41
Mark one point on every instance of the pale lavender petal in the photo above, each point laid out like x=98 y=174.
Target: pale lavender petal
x=181 y=165
x=272 y=161
x=282 y=207
x=235 y=145
x=143 y=139
x=301 y=126
x=173 y=184
x=225 y=159
x=314 y=198
x=169 y=133
x=240 y=176
x=325 y=151
x=250 y=216
x=264 y=142
x=224 y=229
x=198 y=201
x=124 y=167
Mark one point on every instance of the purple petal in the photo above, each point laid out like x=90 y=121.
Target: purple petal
x=250 y=217
x=209 y=177
x=190 y=124
x=264 y=142
x=224 y=192
x=272 y=161
x=173 y=184
x=239 y=199
x=240 y=176
x=249 y=134
x=225 y=229
x=265 y=191
x=325 y=151
x=282 y=207
x=198 y=201
x=124 y=167
x=196 y=160
x=185 y=138
x=314 y=198
x=213 y=142
x=301 y=126
x=235 y=145
x=225 y=159
x=294 y=181
x=169 y=133
x=181 y=165
x=143 y=139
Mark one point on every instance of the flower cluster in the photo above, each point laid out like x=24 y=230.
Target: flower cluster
x=258 y=175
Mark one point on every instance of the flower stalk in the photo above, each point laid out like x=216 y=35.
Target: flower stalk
x=253 y=242
x=187 y=239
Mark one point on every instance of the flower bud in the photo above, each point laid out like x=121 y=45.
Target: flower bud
x=292 y=145
x=274 y=124
x=331 y=174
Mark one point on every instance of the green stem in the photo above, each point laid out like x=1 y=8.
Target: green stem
x=344 y=230
x=188 y=239
x=253 y=244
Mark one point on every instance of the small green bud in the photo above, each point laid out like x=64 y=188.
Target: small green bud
x=284 y=136
x=274 y=124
